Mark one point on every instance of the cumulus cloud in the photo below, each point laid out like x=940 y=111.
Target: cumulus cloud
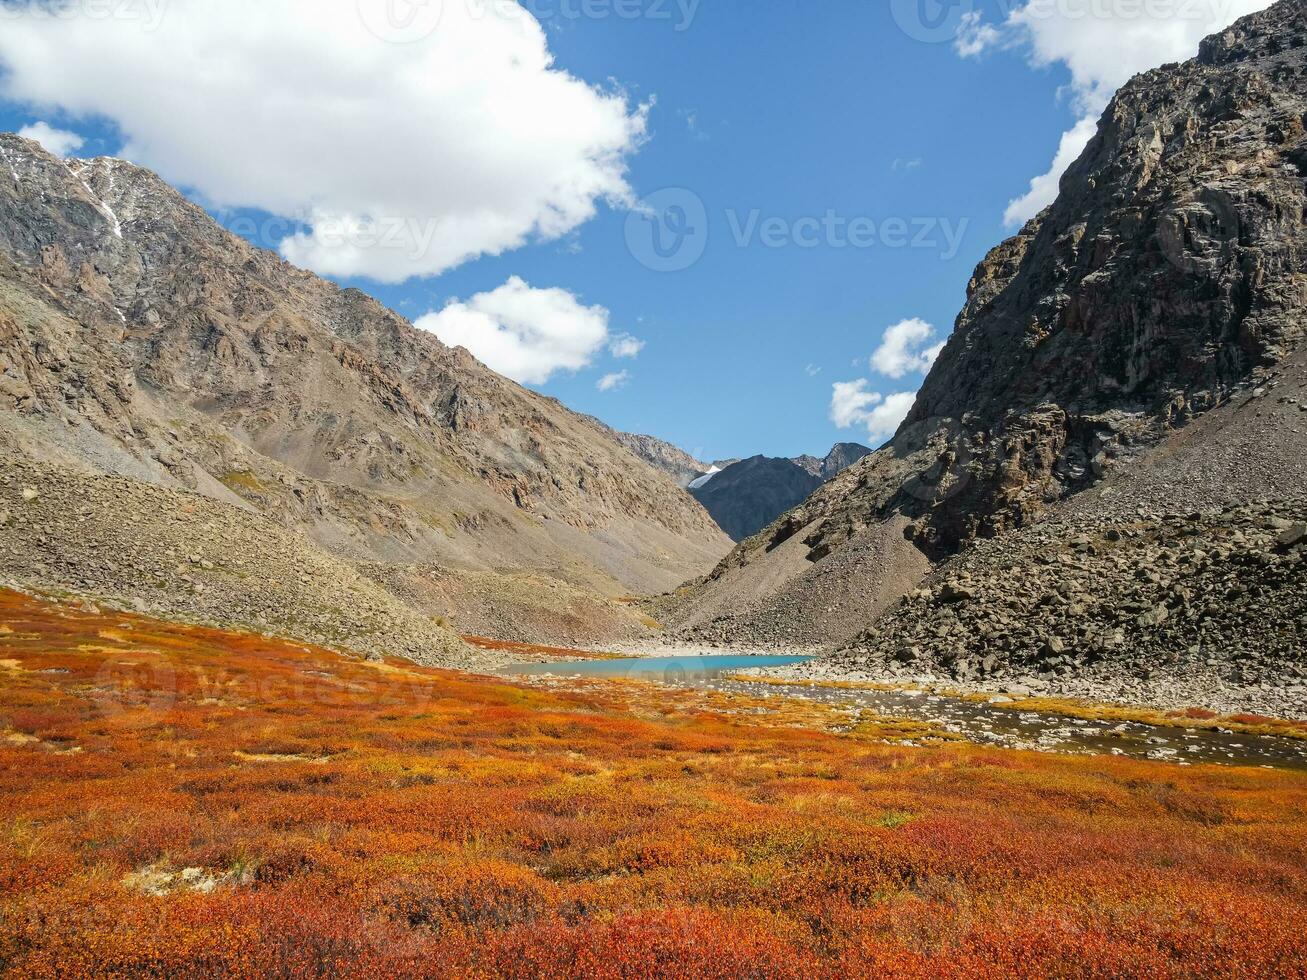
x=624 y=345
x=850 y=401
x=886 y=417
x=400 y=159
x=1102 y=44
x=524 y=333
x=903 y=349
x=611 y=382
x=853 y=404
x=1044 y=188
x=60 y=142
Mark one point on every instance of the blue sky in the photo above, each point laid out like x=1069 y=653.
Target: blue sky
x=787 y=118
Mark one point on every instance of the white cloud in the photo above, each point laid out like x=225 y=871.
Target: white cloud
x=903 y=349
x=852 y=404
x=624 y=345
x=60 y=142
x=523 y=333
x=1102 y=43
x=849 y=402
x=691 y=117
x=611 y=382
x=886 y=418
x=812 y=370
x=975 y=37
x=405 y=159
x=1044 y=188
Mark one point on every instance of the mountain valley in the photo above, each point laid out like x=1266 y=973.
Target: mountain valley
x=336 y=642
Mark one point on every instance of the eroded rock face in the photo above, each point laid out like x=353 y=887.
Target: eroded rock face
x=139 y=338
x=1171 y=268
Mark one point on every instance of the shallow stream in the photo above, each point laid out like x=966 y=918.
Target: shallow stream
x=979 y=722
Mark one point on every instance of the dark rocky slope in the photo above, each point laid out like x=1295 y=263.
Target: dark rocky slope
x=1182 y=578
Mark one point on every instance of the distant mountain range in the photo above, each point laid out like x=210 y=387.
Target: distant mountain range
x=744 y=496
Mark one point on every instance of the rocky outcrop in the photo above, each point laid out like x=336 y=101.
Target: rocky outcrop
x=1170 y=274
x=1172 y=265
x=1222 y=590
x=1184 y=571
x=139 y=339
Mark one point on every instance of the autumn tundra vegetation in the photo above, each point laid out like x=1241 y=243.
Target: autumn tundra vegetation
x=179 y=801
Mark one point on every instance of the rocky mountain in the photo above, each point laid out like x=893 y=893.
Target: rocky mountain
x=141 y=341
x=1157 y=299
x=744 y=496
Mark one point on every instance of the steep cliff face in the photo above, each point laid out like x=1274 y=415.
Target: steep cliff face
x=1171 y=270
x=138 y=338
x=1173 y=264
